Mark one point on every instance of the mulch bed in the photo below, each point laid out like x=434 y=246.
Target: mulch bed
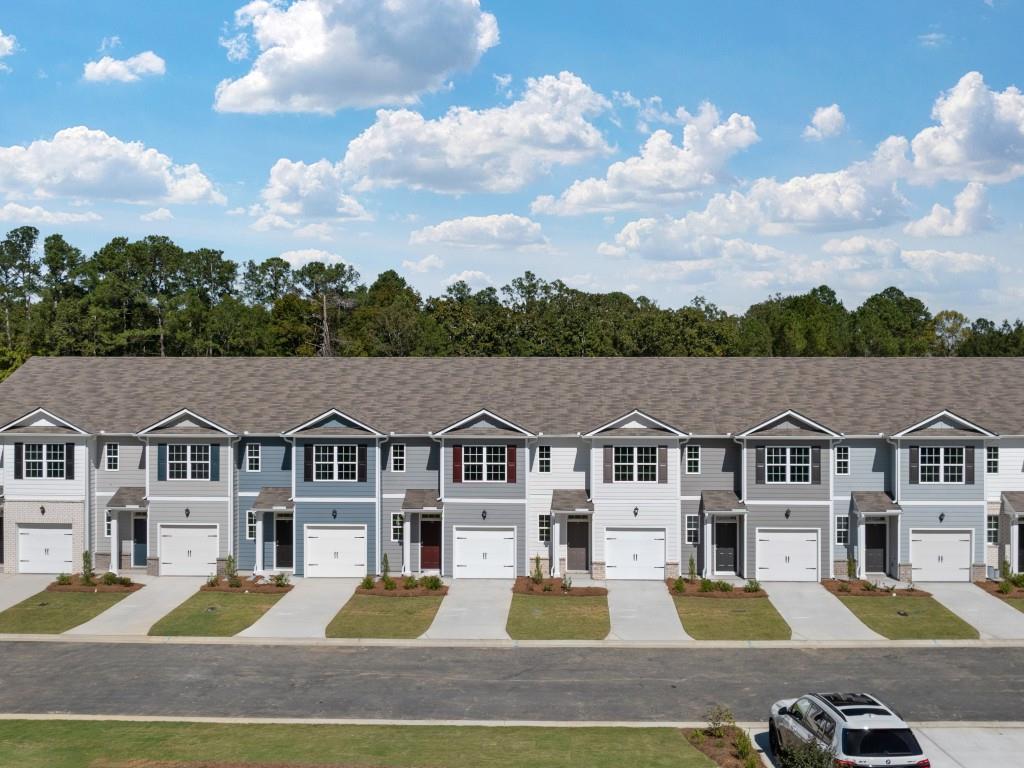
x=76 y=585
x=401 y=591
x=525 y=586
x=721 y=751
x=992 y=587
x=856 y=589
x=249 y=584
x=692 y=589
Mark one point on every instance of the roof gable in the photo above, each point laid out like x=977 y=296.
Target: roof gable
x=484 y=422
x=789 y=424
x=41 y=421
x=944 y=424
x=333 y=422
x=185 y=422
x=636 y=423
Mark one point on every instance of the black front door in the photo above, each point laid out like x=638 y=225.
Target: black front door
x=140 y=546
x=578 y=541
x=430 y=545
x=725 y=547
x=284 y=542
x=875 y=535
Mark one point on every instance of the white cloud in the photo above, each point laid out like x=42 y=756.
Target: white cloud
x=827 y=122
x=860 y=245
x=323 y=55
x=954 y=262
x=501 y=83
x=490 y=150
x=158 y=214
x=474 y=278
x=426 y=264
x=109 y=43
x=128 y=70
x=663 y=172
x=306 y=198
x=970 y=214
x=82 y=163
x=38 y=215
x=650 y=110
x=932 y=39
x=8 y=46
x=303 y=256
x=499 y=231
x=237 y=46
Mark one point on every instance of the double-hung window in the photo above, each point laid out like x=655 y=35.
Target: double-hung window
x=647 y=463
x=33 y=460
x=335 y=462
x=44 y=460
x=544 y=528
x=842 y=459
x=544 y=458
x=113 y=457
x=188 y=462
x=639 y=463
x=692 y=529
x=253 y=457
x=992 y=529
x=107 y=525
x=623 y=455
x=693 y=459
x=250 y=525
x=397 y=526
x=398 y=457
x=483 y=463
x=843 y=529
x=788 y=464
x=992 y=459
x=55 y=460
x=941 y=464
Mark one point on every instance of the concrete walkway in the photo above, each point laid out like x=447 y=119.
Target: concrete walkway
x=813 y=613
x=994 y=619
x=141 y=610
x=643 y=611
x=474 y=609
x=21 y=586
x=306 y=610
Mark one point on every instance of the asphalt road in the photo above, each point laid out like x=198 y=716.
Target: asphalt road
x=518 y=684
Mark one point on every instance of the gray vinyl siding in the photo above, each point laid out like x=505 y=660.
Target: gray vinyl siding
x=940 y=492
x=719 y=467
x=336 y=489
x=131 y=466
x=422 y=460
x=200 y=513
x=871 y=468
x=788 y=491
x=393 y=549
x=275 y=465
x=190 y=488
x=840 y=551
x=771 y=516
x=956 y=517
x=498 y=516
x=351 y=513
x=486 y=490
x=688 y=507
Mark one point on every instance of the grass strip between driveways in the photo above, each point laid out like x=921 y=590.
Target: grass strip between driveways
x=214 y=614
x=910 y=618
x=1016 y=602
x=710 y=618
x=76 y=744
x=558 y=617
x=386 y=617
x=50 y=613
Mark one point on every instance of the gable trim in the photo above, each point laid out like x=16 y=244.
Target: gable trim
x=484 y=413
x=327 y=414
x=944 y=414
x=794 y=415
x=179 y=414
x=43 y=412
x=635 y=412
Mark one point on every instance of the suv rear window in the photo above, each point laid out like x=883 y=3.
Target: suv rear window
x=883 y=742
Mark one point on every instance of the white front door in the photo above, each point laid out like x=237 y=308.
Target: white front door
x=44 y=549
x=634 y=553
x=785 y=555
x=335 y=550
x=485 y=553
x=940 y=555
x=188 y=550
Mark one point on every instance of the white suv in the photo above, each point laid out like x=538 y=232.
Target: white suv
x=859 y=729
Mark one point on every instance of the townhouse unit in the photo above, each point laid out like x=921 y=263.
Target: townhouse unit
x=768 y=469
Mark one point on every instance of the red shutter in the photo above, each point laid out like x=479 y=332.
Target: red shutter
x=510 y=464
x=456 y=463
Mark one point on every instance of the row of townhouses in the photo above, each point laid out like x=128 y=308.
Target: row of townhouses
x=774 y=469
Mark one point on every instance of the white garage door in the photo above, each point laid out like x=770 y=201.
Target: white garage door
x=940 y=555
x=787 y=555
x=44 y=549
x=485 y=553
x=634 y=553
x=335 y=550
x=188 y=550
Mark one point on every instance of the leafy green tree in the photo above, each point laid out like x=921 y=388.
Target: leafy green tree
x=891 y=323
x=329 y=288
x=19 y=273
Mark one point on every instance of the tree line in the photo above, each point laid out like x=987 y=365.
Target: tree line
x=153 y=297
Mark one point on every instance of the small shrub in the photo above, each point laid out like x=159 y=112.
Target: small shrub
x=911 y=587
x=109 y=579
x=751 y=761
x=692 y=569
x=679 y=585
x=752 y=585
x=744 y=747
x=1004 y=569
x=697 y=737
x=124 y=581
x=1005 y=587
x=280 y=579
x=536 y=575
x=718 y=718
x=409 y=582
x=869 y=586
x=723 y=586
x=547 y=587
x=87 y=572
x=808 y=755
x=389 y=583
x=236 y=583
x=385 y=567
x=366 y=583
x=1017 y=580
x=706 y=585
x=230 y=567
x=851 y=569
x=212 y=580
x=567 y=583
x=844 y=586
x=63 y=579
x=431 y=582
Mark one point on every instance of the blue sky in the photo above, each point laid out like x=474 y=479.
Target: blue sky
x=670 y=149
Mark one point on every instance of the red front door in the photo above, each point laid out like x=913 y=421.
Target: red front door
x=430 y=545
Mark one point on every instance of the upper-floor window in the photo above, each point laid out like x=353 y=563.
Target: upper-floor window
x=942 y=464
x=639 y=463
x=482 y=463
x=843 y=529
x=693 y=459
x=113 y=457
x=44 y=460
x=788 y=464
x=992 y=529
x=842 y=459
x=398 y=457
x=544 y=458
x=188 y=462
x=992 y=459
x=253 y=457
x=335 y=462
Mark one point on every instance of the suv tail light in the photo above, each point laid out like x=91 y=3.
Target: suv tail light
x=926 y=763
x=845 y=764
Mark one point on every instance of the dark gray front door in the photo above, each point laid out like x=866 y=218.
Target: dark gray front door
x=578 y=540
x=725 y=547
x=140 y=545
x=284 y=540
x=875 y=535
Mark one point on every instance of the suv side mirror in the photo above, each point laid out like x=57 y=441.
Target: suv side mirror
x=783 y=711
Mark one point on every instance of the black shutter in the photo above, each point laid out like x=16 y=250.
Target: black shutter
x=69 y=461
x=607 y=464
x=361 y=463
x=307 y=463
x=161 y=461
x=759 y=465
x=19 y=457
x=214 y=463
x=969 y=465
x=662 y=463
x=816 y=465
x=914 y=464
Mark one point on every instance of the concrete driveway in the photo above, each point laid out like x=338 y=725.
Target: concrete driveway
x=141 y=610
x=474 y=609
x=994 y=619
x=643 y=611
x=306 y=610
x=813 y=613
x=15 y=587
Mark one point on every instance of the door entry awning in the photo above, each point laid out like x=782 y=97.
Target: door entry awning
x=271 y=499
x=722 y=503
x=874 y=504
x=127 y=498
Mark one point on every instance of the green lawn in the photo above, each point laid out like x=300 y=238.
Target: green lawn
x=926 y=618
x=1016 y=602
x=214 y=614
x=709 y=618
x=76 y=744
x=50 y=613
x=536 y=617
x=389 y=617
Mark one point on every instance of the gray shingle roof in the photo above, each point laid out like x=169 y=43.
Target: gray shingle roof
x=1015 y=501
x=550 y=395
x=571 y=500
x=421 y=498
x=873 y=502
x=271 y=498
x=721 y=501
x=128 y=497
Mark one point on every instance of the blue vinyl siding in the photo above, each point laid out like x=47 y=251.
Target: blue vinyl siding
x=275 y=465
x=359 y=513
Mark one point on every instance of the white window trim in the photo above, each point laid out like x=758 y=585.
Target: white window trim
x=989 y=460
x=688 y=459
x=845 y=459
x=45 y=461
x=989 y=529
x=251 y=521
x=106 y=524
x=789 y=465
x=839 y=530
x=249 y=457
x=336 y=463
x=542 y=518
x=695 y=529
x=541 y=458
x=636 y=464
x=403 y=457
x=189 y=461
x=942 y=465
x=116 y=457
x=484 y=464
x=397 y=527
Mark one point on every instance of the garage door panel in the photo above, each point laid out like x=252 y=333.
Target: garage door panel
x=45 y=549
x=635 y=553
x=335 y=551
x=940 y=555
x=787 y=555
x=188 y=550
x=485 y=553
